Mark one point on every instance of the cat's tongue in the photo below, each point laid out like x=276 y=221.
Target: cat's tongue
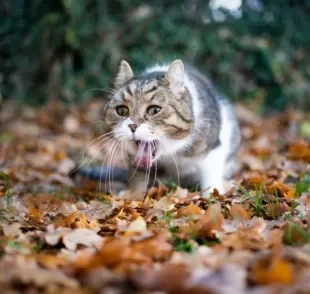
x=144 y=154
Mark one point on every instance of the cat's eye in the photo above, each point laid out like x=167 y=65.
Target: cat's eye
x=153 y=109
x=122 y=110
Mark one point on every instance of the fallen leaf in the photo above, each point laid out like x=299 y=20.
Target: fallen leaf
x=25 y=271
x=53 y=237
x=156 y=247
x=84 y=223
x=49 y=260
x=211 y=222
x=137 y=226
x=270 y=270
x=12 y=230
x=246 y=237
x=81 y=236
x=65 y=220
x=112 y=252
x=35 y=214
x=190 y=210
x=239 y=213
x=300 y=151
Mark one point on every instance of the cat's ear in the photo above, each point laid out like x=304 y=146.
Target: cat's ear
x=175 y=76
x=124 y=74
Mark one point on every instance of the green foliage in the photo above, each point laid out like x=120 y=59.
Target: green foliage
x=15 y=245
x=66 y=48
x=296 y=235
x=303 y=185
x=8 y=192
x=184 y=245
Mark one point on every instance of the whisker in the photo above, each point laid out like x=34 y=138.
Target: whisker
x=109 y=166
x=148 y=170
x=155 y=174
x=103 y=162
x=177 y=168
x=100 y=149
x=111 y=91
x=138 y=162
x=111 y=169
x=84 y=160
x=122 y=151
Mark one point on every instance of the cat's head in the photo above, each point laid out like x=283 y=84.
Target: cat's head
x=150 y=114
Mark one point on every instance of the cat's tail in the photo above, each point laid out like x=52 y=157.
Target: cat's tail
x=98 y=173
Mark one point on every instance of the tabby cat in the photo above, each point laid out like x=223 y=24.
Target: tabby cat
x=174 y=126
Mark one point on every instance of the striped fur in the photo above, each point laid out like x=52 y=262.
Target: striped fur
x=197 y=133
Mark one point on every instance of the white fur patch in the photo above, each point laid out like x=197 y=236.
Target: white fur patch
x=143 y=132
x=213 y=167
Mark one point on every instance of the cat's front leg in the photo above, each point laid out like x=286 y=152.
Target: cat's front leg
x=211 y=171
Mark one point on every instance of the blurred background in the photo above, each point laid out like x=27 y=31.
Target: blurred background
x=255 y=50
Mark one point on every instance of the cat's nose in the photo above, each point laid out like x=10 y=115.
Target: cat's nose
x=133 y=127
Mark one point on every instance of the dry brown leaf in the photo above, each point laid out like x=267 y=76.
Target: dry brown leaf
x=27 y=272
x=156 y=247
x=137 y=226
x=84 y=223
x=246 y=237
x=111 y=254
x=49 y=260
x=118 y=253
x=35 y=214
x=65 y=220
x=81 y=236
x=300 y=151
x=12 y=230
x=190 y=210
x=211 y=222
x=239 y=213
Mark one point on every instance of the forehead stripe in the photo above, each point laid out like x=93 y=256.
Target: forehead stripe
x=128 y=90
x=154 y=88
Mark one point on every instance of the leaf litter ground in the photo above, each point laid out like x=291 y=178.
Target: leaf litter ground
x=60 y=234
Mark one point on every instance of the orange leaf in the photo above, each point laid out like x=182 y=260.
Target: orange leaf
x=156 y=247
x=83 y=223
x=49 y=260
x=238 y=212
x=111 y=254
x=35 y=214
x=268 y=272
x=300 y=151
x=282 y=190
x=253 y=182
x=212 y=221
x=65 y=221
x=190 y=210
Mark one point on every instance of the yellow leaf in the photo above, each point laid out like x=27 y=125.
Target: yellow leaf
x=83 y=223
x=35 y=214
x=278 y=271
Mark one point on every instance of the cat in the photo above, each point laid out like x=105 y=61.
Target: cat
x=174 y=125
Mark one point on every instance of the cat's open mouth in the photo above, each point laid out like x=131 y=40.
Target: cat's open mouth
x=146 y=153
